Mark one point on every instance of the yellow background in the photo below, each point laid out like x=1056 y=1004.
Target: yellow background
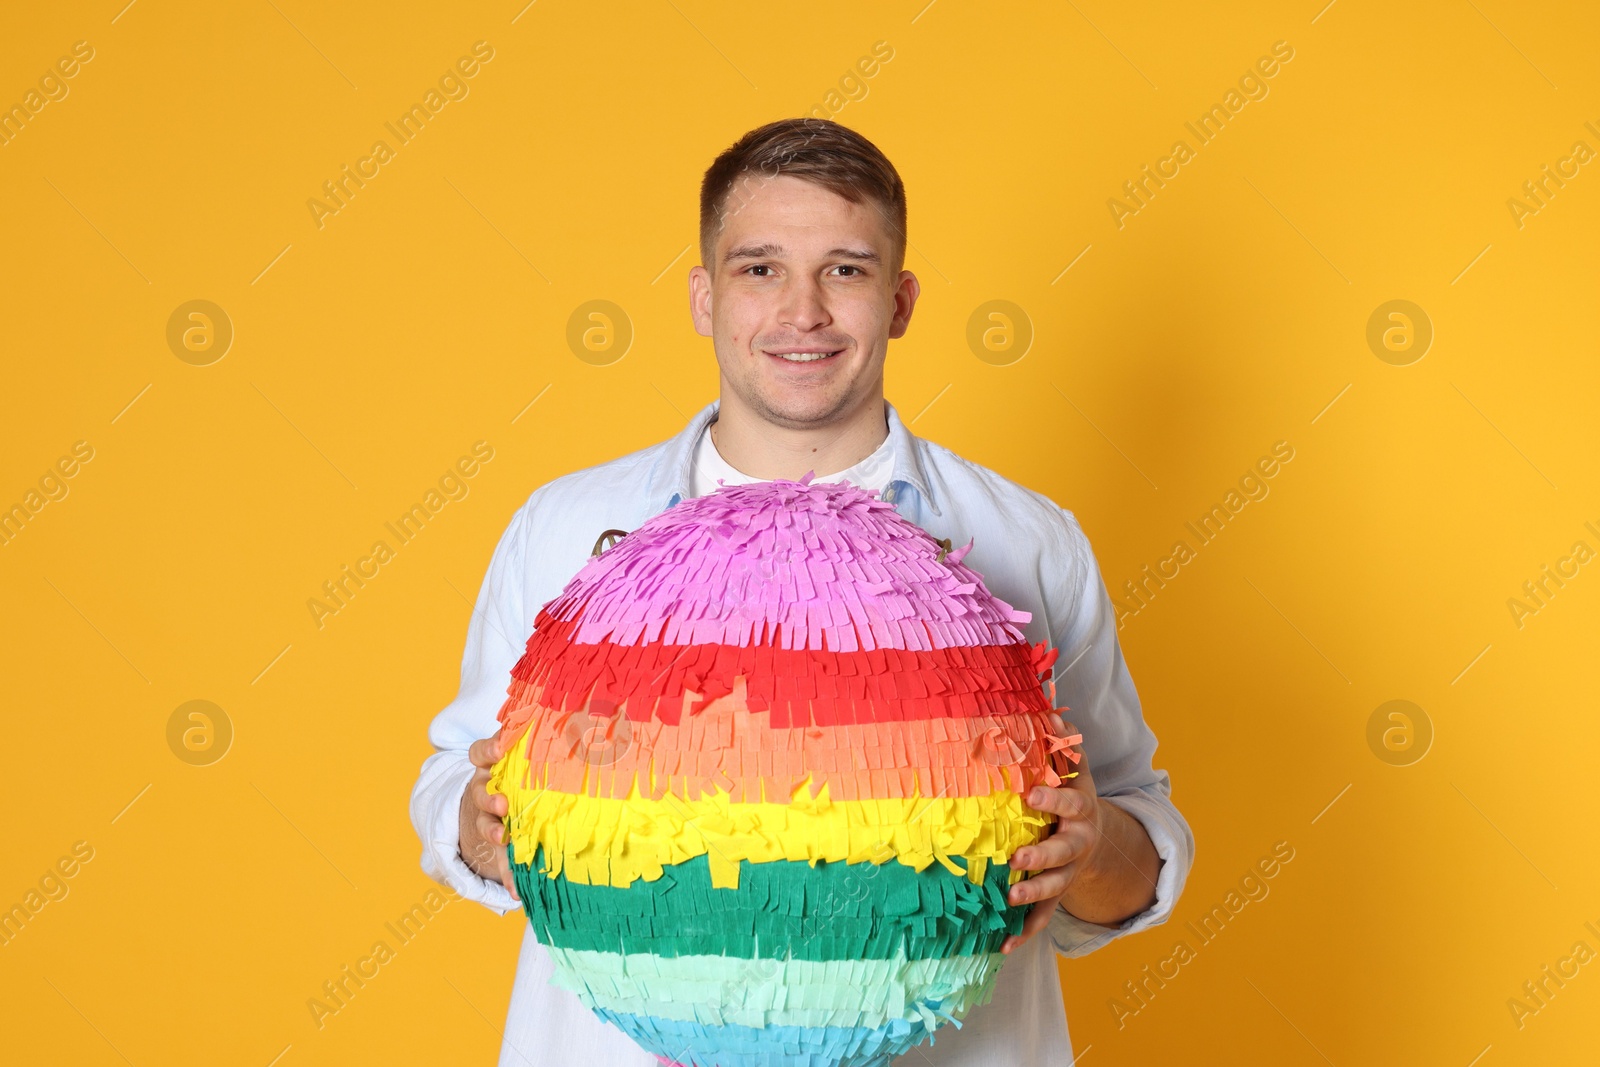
x=426 y=315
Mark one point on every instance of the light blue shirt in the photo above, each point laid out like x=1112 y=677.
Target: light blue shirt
x=1030 y=552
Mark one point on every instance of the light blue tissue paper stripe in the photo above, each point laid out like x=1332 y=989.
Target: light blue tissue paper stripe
x=717 y=991
x=695 y=1045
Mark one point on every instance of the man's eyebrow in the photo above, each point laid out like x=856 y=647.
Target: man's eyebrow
x=765 y=251
x=752 y=252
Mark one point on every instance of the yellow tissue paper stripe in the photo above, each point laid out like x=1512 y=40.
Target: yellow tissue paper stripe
x=608 y=841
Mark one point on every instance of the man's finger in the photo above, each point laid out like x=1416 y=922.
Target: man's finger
x=1059 y=849
x=1051 y=883
x=506 y=877
x=1070 y=730
x=494 y=845
x=1038 y=918
x=486 y=752
x=492 y=830
x=494 y=804
x=1063 y=800
x=1081 y=780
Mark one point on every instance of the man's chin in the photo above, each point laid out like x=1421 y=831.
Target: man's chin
x=799 y=408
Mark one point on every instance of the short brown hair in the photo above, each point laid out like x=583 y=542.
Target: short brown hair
x=817 y=150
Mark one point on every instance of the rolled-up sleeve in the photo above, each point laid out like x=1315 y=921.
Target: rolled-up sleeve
x=1092 y=681
x=495 y=637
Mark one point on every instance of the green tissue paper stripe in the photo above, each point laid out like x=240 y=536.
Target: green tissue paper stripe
x=790 y=909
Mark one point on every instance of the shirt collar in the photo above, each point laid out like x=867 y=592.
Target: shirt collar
x=670 y=478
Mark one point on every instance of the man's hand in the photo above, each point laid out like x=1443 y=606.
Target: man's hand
x=483 y=831
x=1099 y=863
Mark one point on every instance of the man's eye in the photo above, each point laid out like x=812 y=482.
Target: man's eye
x=849 y=267
x=758 y=266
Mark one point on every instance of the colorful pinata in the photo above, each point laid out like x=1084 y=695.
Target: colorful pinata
x=769 y=759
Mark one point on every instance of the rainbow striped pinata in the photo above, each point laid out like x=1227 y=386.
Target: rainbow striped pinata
x=767 y=766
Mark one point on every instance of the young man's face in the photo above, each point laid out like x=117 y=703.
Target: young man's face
x=801 y=270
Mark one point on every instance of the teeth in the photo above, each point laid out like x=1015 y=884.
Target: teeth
x=804 y=357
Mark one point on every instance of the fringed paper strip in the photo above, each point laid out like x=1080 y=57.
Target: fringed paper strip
x=600 y=841
x=801 y=686
x=717 y=991
x=780 y=910
x=693 y=1045
x=815 y=561
x=731 y=748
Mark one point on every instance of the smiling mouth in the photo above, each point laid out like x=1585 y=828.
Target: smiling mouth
x=806 y=356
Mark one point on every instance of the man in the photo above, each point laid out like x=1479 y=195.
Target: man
x=803 y=239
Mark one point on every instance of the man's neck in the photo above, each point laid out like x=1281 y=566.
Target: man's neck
x=767 y=451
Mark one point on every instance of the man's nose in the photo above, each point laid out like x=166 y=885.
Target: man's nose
x=803 y=308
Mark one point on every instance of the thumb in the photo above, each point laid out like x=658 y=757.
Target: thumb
x=486 y=752
x=1067 y=756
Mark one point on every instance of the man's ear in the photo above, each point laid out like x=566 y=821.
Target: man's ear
x=700 y=300
x=905 y=301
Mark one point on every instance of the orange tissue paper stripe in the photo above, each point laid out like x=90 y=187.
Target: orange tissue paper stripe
x=730 y=748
